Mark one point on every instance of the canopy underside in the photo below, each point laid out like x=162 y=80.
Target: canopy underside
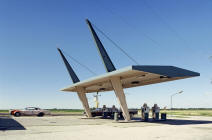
x=133 y=76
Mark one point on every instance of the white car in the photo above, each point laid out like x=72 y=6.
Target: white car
x=30 y=111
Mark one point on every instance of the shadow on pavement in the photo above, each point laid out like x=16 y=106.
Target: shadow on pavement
x=7 y=123
x=175 y=121
x=182 y=122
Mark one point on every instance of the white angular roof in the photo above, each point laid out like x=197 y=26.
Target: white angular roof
x=133 y=76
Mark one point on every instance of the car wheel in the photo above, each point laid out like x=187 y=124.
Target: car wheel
x=41 y=114
x=17 y=114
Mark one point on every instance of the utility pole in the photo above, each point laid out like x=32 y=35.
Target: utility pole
x=210 y=59
x=174 y=95
x=96 y=99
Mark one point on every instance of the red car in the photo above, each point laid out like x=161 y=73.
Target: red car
x=29 y=111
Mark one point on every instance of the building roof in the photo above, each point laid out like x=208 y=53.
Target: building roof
x=133 y=76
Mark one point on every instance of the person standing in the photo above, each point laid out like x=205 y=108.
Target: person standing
x=145 y=112
x=155 y=112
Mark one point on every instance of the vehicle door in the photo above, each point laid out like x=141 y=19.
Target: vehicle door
x=36 y=111
x=28 y=111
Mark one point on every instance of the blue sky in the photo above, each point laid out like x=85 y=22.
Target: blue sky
x=154 y=32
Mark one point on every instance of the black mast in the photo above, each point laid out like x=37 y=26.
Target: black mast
x=106 y=59
x=71 y=72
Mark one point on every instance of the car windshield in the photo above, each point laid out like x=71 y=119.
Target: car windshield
x=32 y=108
x=29 y=108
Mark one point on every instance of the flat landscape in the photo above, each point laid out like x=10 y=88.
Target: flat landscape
x=176 y=112
x=106 y=70
x=80 y=128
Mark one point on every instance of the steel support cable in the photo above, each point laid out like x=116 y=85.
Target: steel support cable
x=82 y=65
x=134 y=28
x=116 y=45
x=131 y=26
x=166 y=23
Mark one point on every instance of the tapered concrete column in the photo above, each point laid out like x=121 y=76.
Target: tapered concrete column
x=116 y=83
x=82 y=96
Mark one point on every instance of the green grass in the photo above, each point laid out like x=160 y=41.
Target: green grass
x=4 y=111
x=57 y=111
x=182 y=112
x=66 y=111
x=189 y=112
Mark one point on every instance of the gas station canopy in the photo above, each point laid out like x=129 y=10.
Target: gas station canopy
x=133 y=76
x=118 y=79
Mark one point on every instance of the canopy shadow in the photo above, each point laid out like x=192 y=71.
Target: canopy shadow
x=182 y=122
x=175 y=121
x=7 y=123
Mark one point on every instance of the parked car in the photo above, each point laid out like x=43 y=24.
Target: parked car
x=109 y=112
x=29 y=111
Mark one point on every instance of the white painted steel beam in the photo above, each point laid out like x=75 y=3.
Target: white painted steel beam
x=82 y=96
x=116 y=83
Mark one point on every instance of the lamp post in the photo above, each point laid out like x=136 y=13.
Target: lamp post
x=96 y=99
x=174 y=95
x=210 y=58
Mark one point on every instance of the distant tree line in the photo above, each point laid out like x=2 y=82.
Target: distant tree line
x=190 y=109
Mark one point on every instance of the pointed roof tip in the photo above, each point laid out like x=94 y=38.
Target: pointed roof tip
x=103 y=53
x=59 y=50
x=87 y=21
x=71 y=72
